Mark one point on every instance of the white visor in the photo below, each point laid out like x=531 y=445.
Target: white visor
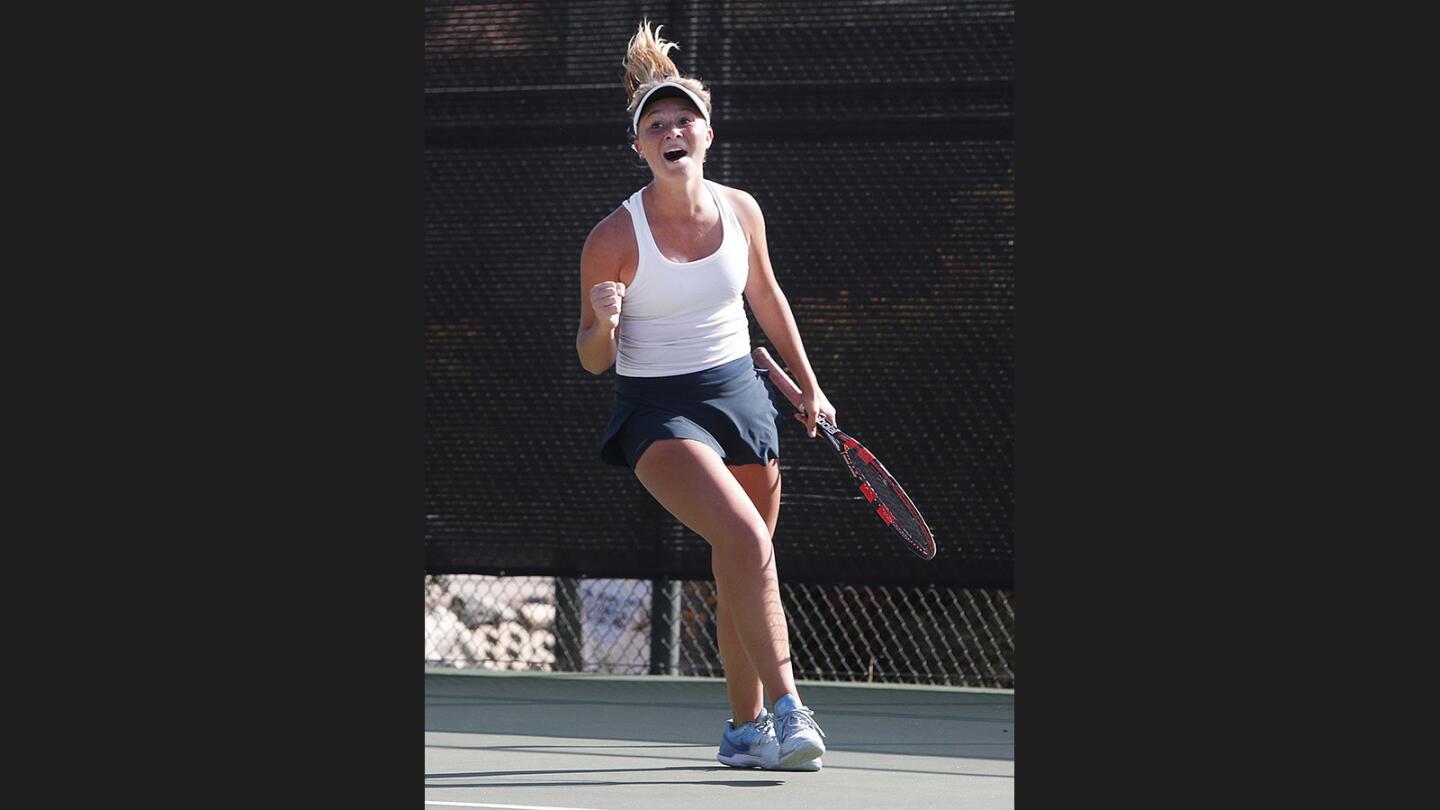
x=694 y=99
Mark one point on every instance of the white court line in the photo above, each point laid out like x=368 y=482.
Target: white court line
x=504 y=806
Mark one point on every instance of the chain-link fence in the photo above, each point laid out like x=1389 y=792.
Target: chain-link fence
x=890 y=634
x=880 y=138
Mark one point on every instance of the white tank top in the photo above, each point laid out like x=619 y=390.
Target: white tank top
x=679 y=317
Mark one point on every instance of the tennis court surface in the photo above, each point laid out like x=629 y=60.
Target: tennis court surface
x=574 y=741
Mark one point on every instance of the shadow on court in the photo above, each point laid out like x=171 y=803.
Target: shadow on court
x=489 y=775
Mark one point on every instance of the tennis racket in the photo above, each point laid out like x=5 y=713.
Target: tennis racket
x=879 y=487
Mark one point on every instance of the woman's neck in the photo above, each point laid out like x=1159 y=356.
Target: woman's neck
x=678 y=198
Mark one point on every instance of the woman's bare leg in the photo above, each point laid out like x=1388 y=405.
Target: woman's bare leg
x=691 y=481
x=762 y=484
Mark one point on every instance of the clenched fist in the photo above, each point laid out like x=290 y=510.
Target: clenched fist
x=605 y=299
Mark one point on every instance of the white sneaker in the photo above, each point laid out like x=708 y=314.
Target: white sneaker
x=800 y=738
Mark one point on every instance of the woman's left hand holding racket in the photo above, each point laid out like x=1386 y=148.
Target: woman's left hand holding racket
x=813 y=403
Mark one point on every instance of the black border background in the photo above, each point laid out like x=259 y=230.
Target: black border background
x=289 y=430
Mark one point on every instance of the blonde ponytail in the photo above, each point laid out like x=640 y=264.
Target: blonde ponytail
x=647 y=64
x=646 y=60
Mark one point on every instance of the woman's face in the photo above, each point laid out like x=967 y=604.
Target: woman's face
x=673 y=137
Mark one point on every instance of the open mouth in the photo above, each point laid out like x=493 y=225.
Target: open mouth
x=674 y=155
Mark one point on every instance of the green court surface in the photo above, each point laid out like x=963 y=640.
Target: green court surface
x=568 y=741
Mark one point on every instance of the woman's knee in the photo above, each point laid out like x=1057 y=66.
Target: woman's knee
x=748 y=549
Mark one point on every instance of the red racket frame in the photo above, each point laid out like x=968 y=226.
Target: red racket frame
x=843 y=444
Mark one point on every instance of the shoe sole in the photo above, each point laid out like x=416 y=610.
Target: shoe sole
x=740 y=761
x=746 y=761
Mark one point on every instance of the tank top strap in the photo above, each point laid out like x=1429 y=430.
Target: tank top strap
x=732 y=222
x=644 y=241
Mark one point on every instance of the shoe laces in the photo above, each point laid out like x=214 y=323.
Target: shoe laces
x=762 y=727
x=798 y=719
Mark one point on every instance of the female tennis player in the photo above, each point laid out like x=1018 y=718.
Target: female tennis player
x=661 y=280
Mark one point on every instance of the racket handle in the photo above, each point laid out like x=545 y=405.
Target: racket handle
x=778 y=377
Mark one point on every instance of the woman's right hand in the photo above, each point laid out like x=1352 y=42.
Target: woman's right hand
x=605 y=299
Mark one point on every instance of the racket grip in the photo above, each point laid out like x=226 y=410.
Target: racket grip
x=778 y=377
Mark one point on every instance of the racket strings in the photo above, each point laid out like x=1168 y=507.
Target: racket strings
x=895 y=512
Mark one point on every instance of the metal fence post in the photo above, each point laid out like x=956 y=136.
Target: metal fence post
x=664 y=626
x=569 y=640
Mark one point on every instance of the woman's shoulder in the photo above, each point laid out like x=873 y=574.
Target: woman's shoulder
x=733 y=194
x=615 y=224
x=613 y=233
x=741 y=201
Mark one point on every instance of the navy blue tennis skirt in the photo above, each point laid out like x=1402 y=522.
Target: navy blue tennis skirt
x=728 y=407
